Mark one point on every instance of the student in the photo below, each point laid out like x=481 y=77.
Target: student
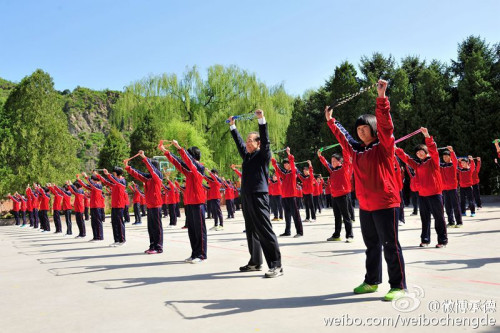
x=152 y=190
x=66 y=206
x=24 y=204
x=449 y=176
x=35 y=202
x=194 y=198
x=164 y=198
x=376 y=190
x=173 y=201
x=427 y=167
x=56 y=207
x=398 y=169
x=78 y=206
x=97 y=204
x=317 y=192
x=44 y=208
x=126 y=213
x=289 y=188
x=413 y=189
x=466 y=170
x=118 y=185
x=475 y=183
x=137 y=194
x=256 y=153
x=86 y=202
x=16 y=207
x=29 y=207
x=328 y=193
x=308 y=189
x=143 y=204
x=214 y=198
x=275 y=197
x=340 y=170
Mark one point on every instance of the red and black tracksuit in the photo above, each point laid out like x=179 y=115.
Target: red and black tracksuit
x=136 y=199
x=475 y=184
x=340 y=189
x=194 y=201
x=44 y=209
x=24 y=205
x=275 y=198
x=289 y=195
x=172 y=201
x=317 y=192
x=450 y=193
x=56 y=209
x=308 y=190
x=214 y=198
x=35 y=203
x=67 y=207
x=466 y=193
x=97 y=204
x=29 y=207
x=79 y=208
x=16 y=207
x=378 y=196
x=430 y=191
x=413 y=188
x=152 y=190
x=118 y=186
x=229 y=197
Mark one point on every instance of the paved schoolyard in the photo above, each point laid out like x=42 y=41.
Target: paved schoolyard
x=51 y=283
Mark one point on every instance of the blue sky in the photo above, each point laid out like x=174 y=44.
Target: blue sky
x=109 y=44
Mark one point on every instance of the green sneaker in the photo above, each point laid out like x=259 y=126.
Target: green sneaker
x=365 y=288
x=334 y=239
x=394 y=294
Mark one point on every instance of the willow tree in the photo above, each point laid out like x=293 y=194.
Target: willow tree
x=205 y=103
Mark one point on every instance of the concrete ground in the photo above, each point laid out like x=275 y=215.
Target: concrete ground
x=52 y=283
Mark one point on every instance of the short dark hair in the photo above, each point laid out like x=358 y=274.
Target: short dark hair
x=338 y=157
x=118 y=170
x=421 y=147
x=94 y=178
x=257 y=135
x=155 y=163
x=446 y=152
x=286 y=161
x=77 y=184
x=367 y=119
x=195 y=152
x=214 y=171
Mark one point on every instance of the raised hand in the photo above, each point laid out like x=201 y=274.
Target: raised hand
x=176 y=144
x=319 y=153
x=288 y=150
x=381 y=87
x=450 y=148
x=259 y=114
x=230 y=120
x=425 y=132
x=328 y=113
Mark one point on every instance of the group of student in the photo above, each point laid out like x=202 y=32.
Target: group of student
x=372 y=159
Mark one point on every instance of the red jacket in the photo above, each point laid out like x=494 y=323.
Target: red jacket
x=66 y=205
x=195 y=192
x=475 y=174
x=308 y=182
x=215 y=184
x=238 y=172
x=96 y=196
x=449 y=173
x=35 y=202
x=16 y=203
x=229 y=193
x=289 y=178
x=414 y=186
x=299 y=192
x=78 y=204
x=172 y=196
x=466 y=175
x=153 y=183
x=340 y=177
x=275 y=187
x=29 y=205
x=376 y=185
x=44 y=199
x=428 y=169
x=328 y=188
x=137 y=194
x=118 y=192
x=58 y=198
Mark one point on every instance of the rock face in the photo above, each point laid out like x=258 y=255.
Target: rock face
x=88 y=113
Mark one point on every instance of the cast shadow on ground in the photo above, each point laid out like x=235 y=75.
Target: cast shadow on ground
x=466 y=263
x=236 y=306
x=145 y=281
x=103 y=268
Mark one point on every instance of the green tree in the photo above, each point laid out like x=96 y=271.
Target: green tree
x=35 y=142
x=114 y=151
x=145 y=137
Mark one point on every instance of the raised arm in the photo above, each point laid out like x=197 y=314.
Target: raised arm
x=277 y=168
x=405 y=158
x=240 y=144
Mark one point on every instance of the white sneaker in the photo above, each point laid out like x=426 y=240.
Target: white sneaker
x=213 y=228
x=114 y=244
x=197 y=261
x=188 y=260
x=120 y=244
x=313 y=220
